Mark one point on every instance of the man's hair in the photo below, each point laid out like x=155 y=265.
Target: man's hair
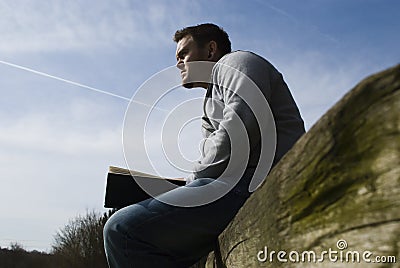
x=204 y=33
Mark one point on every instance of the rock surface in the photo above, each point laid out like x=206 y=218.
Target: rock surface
x=340 y=182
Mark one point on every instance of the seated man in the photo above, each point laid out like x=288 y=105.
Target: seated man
x=242 y=88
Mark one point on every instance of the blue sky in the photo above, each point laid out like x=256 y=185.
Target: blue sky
x=57 y=139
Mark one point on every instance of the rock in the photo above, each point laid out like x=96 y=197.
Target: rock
x=338 y=188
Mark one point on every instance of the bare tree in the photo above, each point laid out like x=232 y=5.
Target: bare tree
x=16 y=247
x=80 y=242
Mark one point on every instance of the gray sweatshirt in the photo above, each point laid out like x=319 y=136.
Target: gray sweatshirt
x=235 y=121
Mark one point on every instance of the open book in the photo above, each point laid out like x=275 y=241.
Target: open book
x=123 y=189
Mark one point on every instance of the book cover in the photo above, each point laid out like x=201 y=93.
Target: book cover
x=123 y=189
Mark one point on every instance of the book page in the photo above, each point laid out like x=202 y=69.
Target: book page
x=124 y=171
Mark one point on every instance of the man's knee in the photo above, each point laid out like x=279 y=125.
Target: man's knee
x=111 y=231
x=123 y=221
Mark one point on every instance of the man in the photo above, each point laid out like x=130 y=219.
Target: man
x=157 y=234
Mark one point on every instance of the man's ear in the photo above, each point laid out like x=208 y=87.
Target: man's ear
x=212 y=51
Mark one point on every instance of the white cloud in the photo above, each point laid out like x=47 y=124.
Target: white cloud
x=317 y=81
x=34 y=26
x=54 y=163
x=75 y=130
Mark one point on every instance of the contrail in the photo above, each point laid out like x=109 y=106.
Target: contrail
x=75 y=83
x=61 y=79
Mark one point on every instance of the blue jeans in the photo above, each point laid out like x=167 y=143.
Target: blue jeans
x=155 y=234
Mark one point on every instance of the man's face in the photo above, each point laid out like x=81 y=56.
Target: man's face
x=188 y=51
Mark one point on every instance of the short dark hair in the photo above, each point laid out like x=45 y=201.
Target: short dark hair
x=203 y=33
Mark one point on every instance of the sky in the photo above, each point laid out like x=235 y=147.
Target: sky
x=69 y=68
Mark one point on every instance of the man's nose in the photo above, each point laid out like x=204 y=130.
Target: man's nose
x=180 y=65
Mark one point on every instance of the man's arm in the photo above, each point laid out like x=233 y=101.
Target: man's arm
x=235 y=94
